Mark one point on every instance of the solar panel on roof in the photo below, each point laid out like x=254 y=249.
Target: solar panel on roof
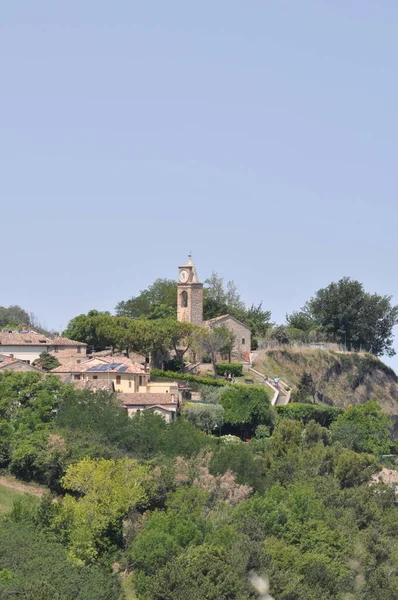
x=115 y=365
x=122 y=369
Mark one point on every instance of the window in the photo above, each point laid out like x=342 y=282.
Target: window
x=55 y=348
x=118 y=379
x=95 y=376
x=79 y=349
x=78 y=362
x=77 y=377
x=130 y=383
x=243 y=341
x=184 y=299
x=140 y=381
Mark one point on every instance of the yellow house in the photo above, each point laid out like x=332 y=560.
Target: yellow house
x=125 y=375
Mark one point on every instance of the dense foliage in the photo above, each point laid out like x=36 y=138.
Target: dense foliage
x=148 y=337
x=345 y=313
x=159 y=301
x=190 y=514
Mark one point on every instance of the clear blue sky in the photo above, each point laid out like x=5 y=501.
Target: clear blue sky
x=262 y=135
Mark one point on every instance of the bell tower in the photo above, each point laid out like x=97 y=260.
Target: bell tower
x=189 y=295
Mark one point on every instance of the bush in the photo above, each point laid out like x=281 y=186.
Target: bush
x=247 y=406
x=159 y=374
x=324 y=415
x=234 y=368
x=364 y=428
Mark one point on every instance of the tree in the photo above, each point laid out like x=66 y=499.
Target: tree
x=158 y=301
x=46 y=361
x=300 y=320
x=353 y=469
x=92 y=329
x=34 y=566
x=350 y=316
x=281 y=334
x=182 y=336
x=14 y=317
x=257 y=319
x=205 y=416
x=363 y=428
x=219 y=299
x=228 y=339
x=247 y=407
x=212 y=342
x=105 y=491
x=306 y=388
x=201 y=572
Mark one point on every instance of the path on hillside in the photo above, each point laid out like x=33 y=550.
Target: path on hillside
x=282 y=393
x=19 y=486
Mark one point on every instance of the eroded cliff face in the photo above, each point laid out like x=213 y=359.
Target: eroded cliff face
x=340 y=379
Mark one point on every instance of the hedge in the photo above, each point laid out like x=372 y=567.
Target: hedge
x=159 y=374
x=234 y=368
x=324 y=415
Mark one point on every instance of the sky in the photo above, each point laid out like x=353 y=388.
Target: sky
x=262 y=136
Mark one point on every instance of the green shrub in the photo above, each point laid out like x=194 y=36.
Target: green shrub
x=234 y=368
x=324 y=415
x=159 y=374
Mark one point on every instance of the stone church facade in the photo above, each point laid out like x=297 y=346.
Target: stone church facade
x=190 y=310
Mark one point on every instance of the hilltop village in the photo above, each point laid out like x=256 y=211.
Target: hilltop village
x=183 y=447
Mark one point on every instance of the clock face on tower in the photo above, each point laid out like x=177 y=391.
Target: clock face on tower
x=184 y=275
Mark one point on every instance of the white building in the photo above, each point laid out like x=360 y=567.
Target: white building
x=28 y=345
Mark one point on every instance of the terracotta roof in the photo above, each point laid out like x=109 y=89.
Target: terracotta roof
x=147 y=398
x=103 y=364
x=222 y=318
x=7 y=361
x=93 y=385
x=63 y=341
x=20 y=338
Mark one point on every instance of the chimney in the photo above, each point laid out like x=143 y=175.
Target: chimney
x=11 y=356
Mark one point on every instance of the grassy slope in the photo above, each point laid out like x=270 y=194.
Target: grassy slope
x=342 y=379
x=7 y=497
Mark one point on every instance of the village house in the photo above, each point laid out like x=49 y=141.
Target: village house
x=9 y=363
x=164 y=404
x=117 y=373
x=28 y=345
x=125 y=375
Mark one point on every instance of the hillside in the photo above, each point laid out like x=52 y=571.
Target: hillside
x=340 y=379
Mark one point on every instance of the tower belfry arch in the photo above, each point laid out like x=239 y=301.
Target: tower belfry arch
x=189 y=294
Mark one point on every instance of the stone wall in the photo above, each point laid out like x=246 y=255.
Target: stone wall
x=242 y=346
x=67 y=354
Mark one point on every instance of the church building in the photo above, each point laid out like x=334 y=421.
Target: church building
x=190 y=310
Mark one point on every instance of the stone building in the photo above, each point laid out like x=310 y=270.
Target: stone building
x=242 y=332
x=190 y=309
